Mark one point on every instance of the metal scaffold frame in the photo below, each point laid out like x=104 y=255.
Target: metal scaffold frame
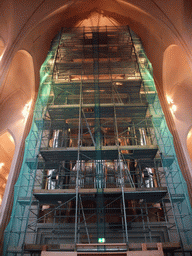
x=23 y=192
x=178 y=193
x=99 y=158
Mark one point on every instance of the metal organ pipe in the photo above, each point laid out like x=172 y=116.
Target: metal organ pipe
x=148 y=177
x=59 y=139
x=142 y=136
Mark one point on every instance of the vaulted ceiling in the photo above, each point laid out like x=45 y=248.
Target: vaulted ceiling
x=27 y=28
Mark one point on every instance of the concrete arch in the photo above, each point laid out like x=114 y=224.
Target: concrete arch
x=10 y=133
x=148 y=27
x=11 y=114
x=20 y=76
x=177 y=87
x=41 y=21
x=176 y=68
x=2 y=48
x=7 y=149
x=189 y=143
x=18 y=89
x=177 y=83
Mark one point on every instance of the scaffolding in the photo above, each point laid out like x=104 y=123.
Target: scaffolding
x=99 y=158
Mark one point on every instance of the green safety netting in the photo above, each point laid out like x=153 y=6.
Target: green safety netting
x=15 y=232
x=176 y=184
x=14 y=238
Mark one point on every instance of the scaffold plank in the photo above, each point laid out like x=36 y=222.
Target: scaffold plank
x=55 y=195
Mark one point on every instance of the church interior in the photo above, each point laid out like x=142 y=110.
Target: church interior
x=102 y=92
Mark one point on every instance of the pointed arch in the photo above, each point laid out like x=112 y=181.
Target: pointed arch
x=2 y=47
x=177 y=84
x=21 y=76
x=18 y=89
x=177 y=87
x=189 y=143
x=7 y=149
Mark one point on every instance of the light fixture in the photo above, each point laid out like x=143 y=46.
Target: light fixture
x=169 y=100
x=173 y=108
x=26 y=109
x=1 y=165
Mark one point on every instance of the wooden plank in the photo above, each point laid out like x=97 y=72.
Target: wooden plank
x=132 y=246
x=46 y=253
x=165 y=245
x=93 y=190
x=145 y=253
x=144 y=247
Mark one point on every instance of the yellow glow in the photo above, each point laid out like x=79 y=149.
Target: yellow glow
x=1 y=165
x=26 y=109
x=11 y=138
x=173 y=108
x=169 y=100
x=189 y=134
x=89 y=90
x=51 y=61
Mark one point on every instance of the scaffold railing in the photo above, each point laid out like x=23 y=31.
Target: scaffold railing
x=23 y=192
x=178 y=192
x=99 y=158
